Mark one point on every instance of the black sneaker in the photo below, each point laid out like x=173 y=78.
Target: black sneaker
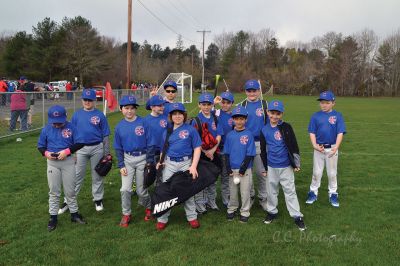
x=99 y=205
x=230 y=216
x=270 y=217
x=300 y=223
x=52 y=225
x=243 y=219
x=77 y=218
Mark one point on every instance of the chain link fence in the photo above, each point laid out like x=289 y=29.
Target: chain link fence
x=33 y=115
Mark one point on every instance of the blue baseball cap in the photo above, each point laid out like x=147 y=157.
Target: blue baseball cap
x=170 y=83
x=22 y=78
x=239 y=111
x=227 y=96
x=89 y=94
x=252 y=84
x=128 y=100
x=57 y=114
x=206 y=98
x=176 y=107
x=276 y=105
x=326 y=96
x=154 y=100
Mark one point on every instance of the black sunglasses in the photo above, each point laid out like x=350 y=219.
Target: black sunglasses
x=87 y=100
x=170 y=91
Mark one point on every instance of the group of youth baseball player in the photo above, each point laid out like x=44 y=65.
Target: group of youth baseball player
x=250 y=135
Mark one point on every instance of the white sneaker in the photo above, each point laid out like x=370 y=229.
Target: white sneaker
x=64 y=208
x=99 y=205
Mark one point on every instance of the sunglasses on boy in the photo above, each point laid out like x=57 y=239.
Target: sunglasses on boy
x=170 y=91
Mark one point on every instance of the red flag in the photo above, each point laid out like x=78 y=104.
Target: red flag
x=111 y=101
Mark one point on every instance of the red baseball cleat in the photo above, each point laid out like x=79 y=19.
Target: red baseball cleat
x=161 y=226
x=194 y=224
x=148 y=216
x=126 y=219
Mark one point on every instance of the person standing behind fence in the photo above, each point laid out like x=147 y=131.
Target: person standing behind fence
x=68 y=88
x=18 y=109
x=93 y=131
x=3 y=88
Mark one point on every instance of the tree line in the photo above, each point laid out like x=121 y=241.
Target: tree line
x=356 y=65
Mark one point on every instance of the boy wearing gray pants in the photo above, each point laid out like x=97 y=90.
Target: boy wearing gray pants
x=280 y=155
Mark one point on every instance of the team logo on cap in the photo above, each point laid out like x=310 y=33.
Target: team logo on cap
x=66 y=133
x=276 y=104
x=244 y=139
x=332 y=120
x=139 y=130
x=230 y=121
x=87 y=92
x=163 y=123
x=277 y=135
x=56 y=114
x=131 y=98
x=95 y=120
x=259 y=112
x=183 y=134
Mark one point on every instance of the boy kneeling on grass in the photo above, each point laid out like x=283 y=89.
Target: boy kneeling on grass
x=280 y=155
x=239 y=151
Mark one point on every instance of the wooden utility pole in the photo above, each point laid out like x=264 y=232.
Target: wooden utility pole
x=202 y=59
x=128 y=47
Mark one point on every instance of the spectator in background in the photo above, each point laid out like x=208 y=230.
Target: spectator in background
x=19 y=109
x=29 y=87
x=3 y=88
x=68 y=88
x=12 y=86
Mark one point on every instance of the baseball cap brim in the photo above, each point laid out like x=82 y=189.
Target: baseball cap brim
x=60 y=119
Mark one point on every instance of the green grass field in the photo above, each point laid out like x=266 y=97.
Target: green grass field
x=364 y=230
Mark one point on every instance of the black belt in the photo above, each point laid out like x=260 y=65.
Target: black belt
x=135 y=153
x=93 y=144
x=256 y=138
x=327 y=146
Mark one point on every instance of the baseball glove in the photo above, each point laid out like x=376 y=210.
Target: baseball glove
x=104 y=165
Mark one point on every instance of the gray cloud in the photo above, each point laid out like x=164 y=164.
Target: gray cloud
x=291 y=20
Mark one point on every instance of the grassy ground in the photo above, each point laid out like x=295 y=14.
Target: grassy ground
x=364 y=230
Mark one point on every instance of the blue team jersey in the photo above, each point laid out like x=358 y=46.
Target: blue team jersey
x=255 y=118
x=155 y=126
x=226 y=122
x=277 y=152
x=326 y=126
x=130 y=136
x=239 y=144
x=57 y=139
x=215 y=130
x=182 y=141
x=92 y=125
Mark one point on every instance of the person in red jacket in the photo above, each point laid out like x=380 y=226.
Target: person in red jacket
x=68 y=88
x=18 y=109
x=3 y=88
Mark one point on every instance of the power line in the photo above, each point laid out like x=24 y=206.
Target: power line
x=188 y=13
x=165 y=24
x=184 y=13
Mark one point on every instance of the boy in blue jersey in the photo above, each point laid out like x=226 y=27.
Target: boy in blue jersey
x=326 y=130
x=183 y=153
x=225 y=100
x=280 y=155
x=257 y=110
x=94 y=133
x=130 y=143
x=57 y=141
x=207 y=198
x=239 y=151
x=156 y=124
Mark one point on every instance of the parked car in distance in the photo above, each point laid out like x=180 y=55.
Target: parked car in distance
x=99 y=92
x=59 y=85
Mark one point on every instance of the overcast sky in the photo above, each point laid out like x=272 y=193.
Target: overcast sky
x=290 y=19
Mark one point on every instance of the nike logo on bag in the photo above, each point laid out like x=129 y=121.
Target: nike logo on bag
x=165 y=205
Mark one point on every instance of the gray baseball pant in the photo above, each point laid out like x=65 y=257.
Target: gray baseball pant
x=171 y=168
x=319 y=160
x=285 y=177
x=245 y=186
x=135 y=167
x=262 y=180
x=61 y=173
x=94 y=154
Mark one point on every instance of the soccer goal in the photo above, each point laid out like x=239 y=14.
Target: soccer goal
x=184 y=84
